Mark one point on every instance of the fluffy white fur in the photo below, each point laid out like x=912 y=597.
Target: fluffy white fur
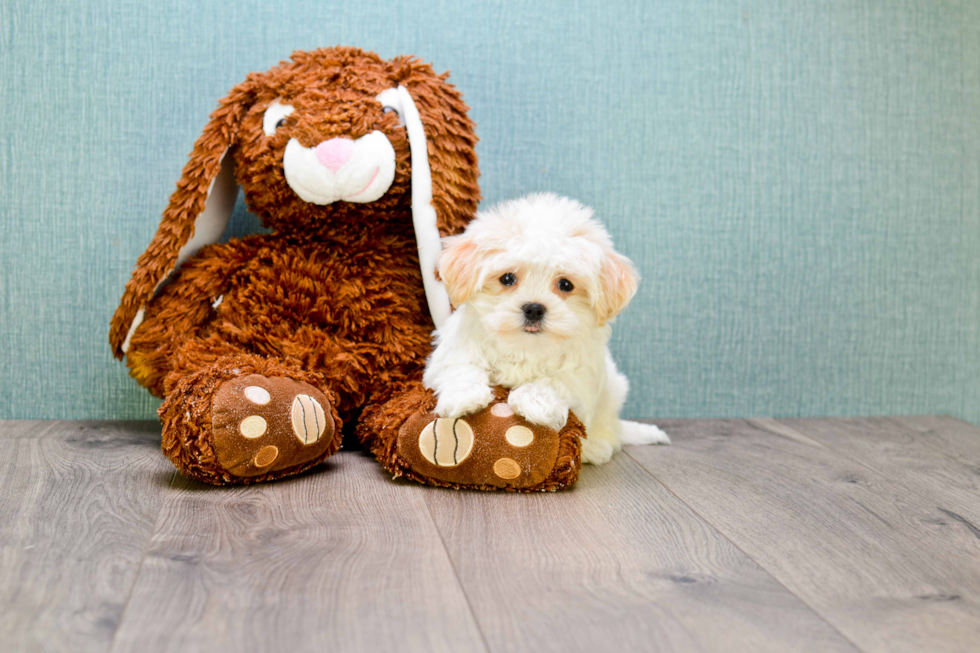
x=559 y=364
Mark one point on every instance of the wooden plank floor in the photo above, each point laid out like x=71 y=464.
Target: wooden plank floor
x=745 y=535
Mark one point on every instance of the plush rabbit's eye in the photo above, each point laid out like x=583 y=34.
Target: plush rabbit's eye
x=391 y=102
x=565 y=285
x=508 y=279
x=275 y=117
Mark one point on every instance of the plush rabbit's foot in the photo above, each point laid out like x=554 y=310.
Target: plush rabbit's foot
x=220 y=427
x=492 y=449
x=262 y=424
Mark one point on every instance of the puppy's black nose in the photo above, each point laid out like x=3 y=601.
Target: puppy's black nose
x=533 y=312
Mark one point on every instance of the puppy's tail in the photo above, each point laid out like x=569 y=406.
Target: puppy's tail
x=639 y=433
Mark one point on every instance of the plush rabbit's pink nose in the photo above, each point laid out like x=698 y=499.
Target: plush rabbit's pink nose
x=334 y=153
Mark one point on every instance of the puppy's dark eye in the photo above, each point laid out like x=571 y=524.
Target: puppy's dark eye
x=508 y=279
x=388 y=110
x=280 y=123
x=565 y=285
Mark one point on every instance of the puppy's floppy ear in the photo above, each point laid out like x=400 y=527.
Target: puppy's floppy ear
x=617 y=285
x=459 y=267
x=197 y=214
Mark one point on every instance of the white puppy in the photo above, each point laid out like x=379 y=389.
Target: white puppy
x=535 y=282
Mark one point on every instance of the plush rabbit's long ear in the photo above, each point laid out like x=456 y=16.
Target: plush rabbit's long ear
x=445 y=192
x=451 y=145
x=197 y=215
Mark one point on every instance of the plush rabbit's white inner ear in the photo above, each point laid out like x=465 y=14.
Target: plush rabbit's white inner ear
x=210 y=225
x=427 y=235
x=208 y=228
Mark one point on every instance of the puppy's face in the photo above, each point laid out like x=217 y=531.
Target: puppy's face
x=538 y=270
x=534 y=299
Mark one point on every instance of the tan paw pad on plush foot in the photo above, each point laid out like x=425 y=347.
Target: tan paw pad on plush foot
x=263 y=424
x=446 y=442
x=493 y=447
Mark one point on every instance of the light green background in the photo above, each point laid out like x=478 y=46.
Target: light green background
x=798 y=181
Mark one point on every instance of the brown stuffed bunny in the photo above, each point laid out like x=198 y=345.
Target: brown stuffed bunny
x=263 y=347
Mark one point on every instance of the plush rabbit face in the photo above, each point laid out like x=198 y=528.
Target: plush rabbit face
x=323 y=141
x=336 y=144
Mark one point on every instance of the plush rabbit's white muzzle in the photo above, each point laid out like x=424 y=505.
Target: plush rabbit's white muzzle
x=340 y=169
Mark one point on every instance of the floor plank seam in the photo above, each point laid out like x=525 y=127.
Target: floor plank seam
x=746 y=554
x=459 y=581
x=139 y=568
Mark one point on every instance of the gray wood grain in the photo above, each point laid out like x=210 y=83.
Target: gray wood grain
x=759 y=535
x=77 y=505
x=34 y=429
x=341 y=559
x=859 y=546
x=948 y=435
x=617 y=564
x=907 y=456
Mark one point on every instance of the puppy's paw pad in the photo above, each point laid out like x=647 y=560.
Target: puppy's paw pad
x=263 y=424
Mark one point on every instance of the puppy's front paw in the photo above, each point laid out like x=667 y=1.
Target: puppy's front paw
x=596 y=451
x=463 y=401
x=539 y=404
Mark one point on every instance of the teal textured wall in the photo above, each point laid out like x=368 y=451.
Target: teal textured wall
x=799 y=182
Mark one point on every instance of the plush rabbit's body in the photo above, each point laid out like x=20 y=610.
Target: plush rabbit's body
x=265 y=346
x=357 y=316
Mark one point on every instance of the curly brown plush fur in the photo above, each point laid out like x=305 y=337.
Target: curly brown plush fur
x=187 y=433
x=293 y=333
x=334 y=93
x=334 y=295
